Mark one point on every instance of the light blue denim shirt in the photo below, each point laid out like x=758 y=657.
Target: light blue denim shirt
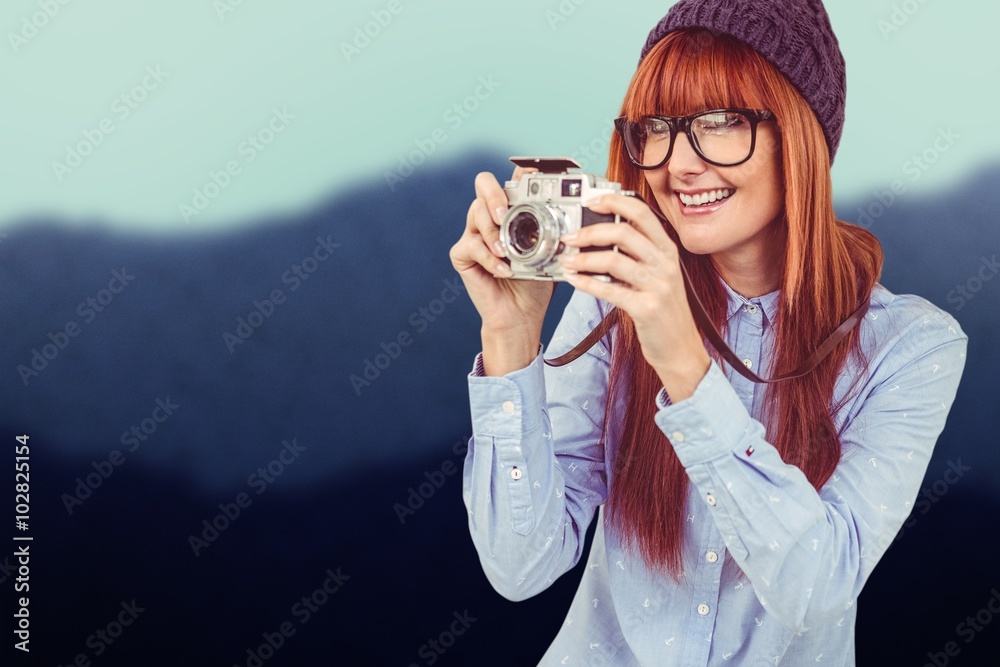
x=772 y=568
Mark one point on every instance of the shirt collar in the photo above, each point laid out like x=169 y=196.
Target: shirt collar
x=766 y=302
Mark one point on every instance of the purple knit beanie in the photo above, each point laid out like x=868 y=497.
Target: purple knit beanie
x=793 y=35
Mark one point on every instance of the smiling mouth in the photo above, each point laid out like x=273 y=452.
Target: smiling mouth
x=705 y=198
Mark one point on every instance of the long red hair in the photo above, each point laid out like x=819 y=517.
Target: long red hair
x=830 y=266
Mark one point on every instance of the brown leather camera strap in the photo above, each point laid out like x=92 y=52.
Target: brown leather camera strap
x=597 y=334
x=701 y=317
x=708 y=328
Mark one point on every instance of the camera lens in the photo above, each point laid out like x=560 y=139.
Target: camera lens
x=530 y=234
x=524 y=231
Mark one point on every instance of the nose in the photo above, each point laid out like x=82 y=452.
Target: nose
x=684 y=161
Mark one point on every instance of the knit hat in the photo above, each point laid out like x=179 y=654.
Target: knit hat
x=793 y=35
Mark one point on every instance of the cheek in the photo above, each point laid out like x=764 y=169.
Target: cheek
x=654 y=180
x=766 y=191
x=776 y=194
x=770 y=197
x=776 y=182
x=763 y=207
x=657 y=182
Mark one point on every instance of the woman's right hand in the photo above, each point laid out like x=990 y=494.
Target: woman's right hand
x=512 y=310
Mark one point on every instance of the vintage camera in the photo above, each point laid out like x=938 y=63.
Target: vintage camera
x=543 y=206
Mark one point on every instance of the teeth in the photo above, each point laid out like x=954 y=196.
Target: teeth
x=704 y=197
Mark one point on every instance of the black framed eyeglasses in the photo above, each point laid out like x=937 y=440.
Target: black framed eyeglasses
x=723 y=137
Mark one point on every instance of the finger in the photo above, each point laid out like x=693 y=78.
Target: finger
x=480 y=222
x=624 y=236
x=618 y=265
x=615 y=294
x=521 y=171
x=471 y=251
x=636 y=212
x=490 y=191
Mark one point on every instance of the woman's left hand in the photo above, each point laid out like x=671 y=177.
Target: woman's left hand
x=647 y=284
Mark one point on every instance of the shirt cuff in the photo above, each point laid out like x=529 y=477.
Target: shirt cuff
x=663 y=398
x=709 y=424
x=508 y=406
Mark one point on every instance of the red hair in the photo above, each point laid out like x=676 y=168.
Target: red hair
x=830 y=267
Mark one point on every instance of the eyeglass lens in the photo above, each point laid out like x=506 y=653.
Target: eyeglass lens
x=722 y=137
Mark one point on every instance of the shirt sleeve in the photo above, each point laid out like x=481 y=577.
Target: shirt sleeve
x=809 y=553
x=534 y=474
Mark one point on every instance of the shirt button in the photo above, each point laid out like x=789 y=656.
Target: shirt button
x=508 y=407
x=752 y=309
x=677 y=436
x=710 y=499
x=515 y=473
x=748 y=363
x=711 y=556
x=703 y=609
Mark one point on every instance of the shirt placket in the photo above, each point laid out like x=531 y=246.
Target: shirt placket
x=706 y=579
x=749 y=334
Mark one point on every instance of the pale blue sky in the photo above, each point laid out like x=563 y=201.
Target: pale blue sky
x=334 y=117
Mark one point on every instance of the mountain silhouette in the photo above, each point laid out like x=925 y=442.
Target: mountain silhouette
x=160 y=376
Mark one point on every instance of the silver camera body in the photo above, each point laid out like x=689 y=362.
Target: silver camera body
x=543 y=206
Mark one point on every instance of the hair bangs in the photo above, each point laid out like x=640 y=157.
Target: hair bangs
x=695 y=70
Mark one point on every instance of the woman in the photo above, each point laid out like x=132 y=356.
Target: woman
x=737 y=520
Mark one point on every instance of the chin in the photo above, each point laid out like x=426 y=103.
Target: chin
x=700 y=244
x=700 y=248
